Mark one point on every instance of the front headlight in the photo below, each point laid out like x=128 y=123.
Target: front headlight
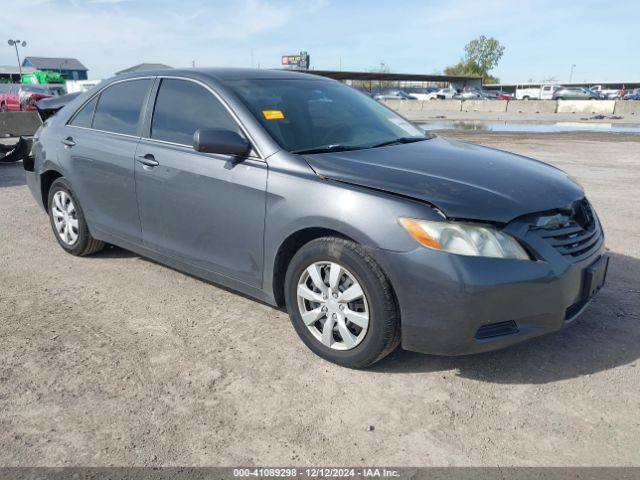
x=464 y=239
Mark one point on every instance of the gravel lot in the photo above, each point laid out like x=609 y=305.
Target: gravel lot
x=116 y=360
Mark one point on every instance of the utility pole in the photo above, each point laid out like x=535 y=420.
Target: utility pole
x=15 y=44
x=571 y=73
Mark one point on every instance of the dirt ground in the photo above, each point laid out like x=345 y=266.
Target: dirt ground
x=116 y=360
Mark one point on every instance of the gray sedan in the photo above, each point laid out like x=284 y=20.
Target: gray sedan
x=306 y=194
x=575 y=93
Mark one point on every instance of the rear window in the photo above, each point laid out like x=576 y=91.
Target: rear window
x=119 y=107
x=84 y=117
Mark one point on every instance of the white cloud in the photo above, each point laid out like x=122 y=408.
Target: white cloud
x=108 y=35
x=416 y=36
x=107 y=2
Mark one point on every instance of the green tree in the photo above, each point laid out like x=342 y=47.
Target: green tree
x=481 y=55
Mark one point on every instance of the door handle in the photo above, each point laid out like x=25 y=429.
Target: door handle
x=68 y=142
x=147 y=160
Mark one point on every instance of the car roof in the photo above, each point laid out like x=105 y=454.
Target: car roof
x=225 y=74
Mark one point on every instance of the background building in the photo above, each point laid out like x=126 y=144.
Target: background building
x=69 y=68
x=11 y=73
x=141 y=67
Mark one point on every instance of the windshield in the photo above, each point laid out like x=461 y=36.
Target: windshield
x=305 y=115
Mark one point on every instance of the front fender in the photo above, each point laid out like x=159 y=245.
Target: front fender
x=298 y=199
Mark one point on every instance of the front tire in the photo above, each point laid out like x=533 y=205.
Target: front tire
x=68 y=221
x=341 y=304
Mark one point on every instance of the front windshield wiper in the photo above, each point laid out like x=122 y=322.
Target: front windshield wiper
x=328 y=148
x=397 y=141
x=337 y=147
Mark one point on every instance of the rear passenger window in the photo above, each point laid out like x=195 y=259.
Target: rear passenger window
x=120 y=105
x=182 y=107
x=85 y=116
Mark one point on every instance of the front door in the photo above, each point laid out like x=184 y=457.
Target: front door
x=202 y=209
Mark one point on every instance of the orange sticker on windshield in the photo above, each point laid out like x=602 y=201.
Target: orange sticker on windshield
x=273 y=114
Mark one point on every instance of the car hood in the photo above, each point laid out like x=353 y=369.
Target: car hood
x=463 y=180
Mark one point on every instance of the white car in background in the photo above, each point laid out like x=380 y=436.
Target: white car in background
x=543 y=92
x=443 y=94
x=81 y=85
x=422 y=93
x=605 y=92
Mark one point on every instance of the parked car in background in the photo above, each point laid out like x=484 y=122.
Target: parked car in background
x=22 y=97
x=575 y=93
x=30 y=94
x=600 y=95
x=443 y=94
x=605 y=92
x=394 y=95
x=9 y=100
x=497 y=95
x=81 y=85
x=634 y=95
x=56 y=89
x=422 y=93
x=371 y=233
x=539 y=92
x=469 y=93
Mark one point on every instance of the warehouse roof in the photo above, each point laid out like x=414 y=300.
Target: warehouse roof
x=389 y=76
x=54 y=63
x=143 y=67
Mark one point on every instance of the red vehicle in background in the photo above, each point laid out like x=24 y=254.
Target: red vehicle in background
x=496 y=95
x=21 y=97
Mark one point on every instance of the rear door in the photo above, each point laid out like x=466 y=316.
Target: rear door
x=203 y=209
x=98 y=146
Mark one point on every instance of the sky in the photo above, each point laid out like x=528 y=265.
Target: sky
x=543 y=39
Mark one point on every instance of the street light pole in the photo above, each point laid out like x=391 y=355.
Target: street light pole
x=15 y=43
x=571 y=73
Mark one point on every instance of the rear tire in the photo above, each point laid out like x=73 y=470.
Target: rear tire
x=364 y=327
x=68 y=221
x=3 y=107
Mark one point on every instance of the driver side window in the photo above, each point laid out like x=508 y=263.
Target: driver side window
x=182 y=107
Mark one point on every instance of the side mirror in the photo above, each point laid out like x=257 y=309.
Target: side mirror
x=218 y=140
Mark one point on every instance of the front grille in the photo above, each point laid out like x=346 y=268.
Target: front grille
x=579 y=236
x=497 y=330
